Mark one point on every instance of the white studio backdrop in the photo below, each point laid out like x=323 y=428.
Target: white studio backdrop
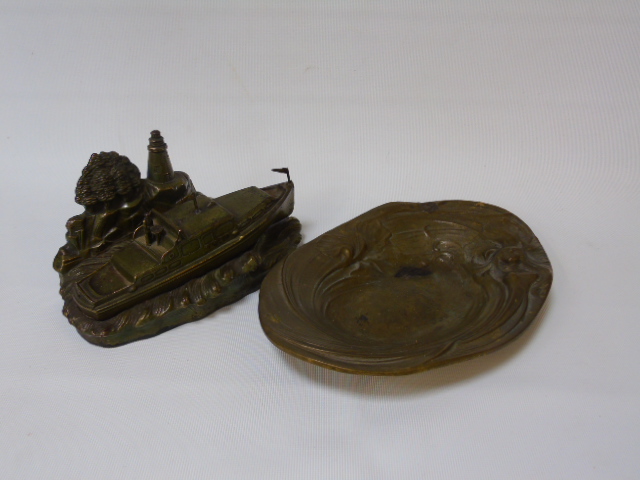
x=532 y=106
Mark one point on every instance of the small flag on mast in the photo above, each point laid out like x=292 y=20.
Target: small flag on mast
x=282 y=170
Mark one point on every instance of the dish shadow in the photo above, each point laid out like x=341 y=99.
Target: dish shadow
x=416 y=383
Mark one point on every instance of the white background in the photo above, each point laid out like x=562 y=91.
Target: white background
x=532 y=106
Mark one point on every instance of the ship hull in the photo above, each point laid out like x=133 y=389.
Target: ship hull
x=102 y=307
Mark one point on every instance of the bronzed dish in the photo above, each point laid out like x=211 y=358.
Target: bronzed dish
x=407 y=287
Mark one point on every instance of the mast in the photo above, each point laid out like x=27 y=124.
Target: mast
x=164 y=188
x=159 y=165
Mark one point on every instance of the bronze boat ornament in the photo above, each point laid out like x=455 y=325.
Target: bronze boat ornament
x=150 y=254
x=407 y=287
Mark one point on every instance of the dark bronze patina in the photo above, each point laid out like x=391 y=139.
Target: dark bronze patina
x=407 y=287
x=150 y=254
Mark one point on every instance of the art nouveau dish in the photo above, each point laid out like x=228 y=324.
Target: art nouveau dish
x=407 y=287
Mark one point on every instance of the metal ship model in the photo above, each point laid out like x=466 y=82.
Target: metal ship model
x=141 y=240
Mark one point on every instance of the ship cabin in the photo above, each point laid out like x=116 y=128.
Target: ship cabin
x=174 y=238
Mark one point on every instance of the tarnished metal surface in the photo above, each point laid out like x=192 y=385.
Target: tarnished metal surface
x=159 y=245
x=407 y=287
x=194 y=299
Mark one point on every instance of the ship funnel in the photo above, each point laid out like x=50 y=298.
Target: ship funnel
x=159 y=166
